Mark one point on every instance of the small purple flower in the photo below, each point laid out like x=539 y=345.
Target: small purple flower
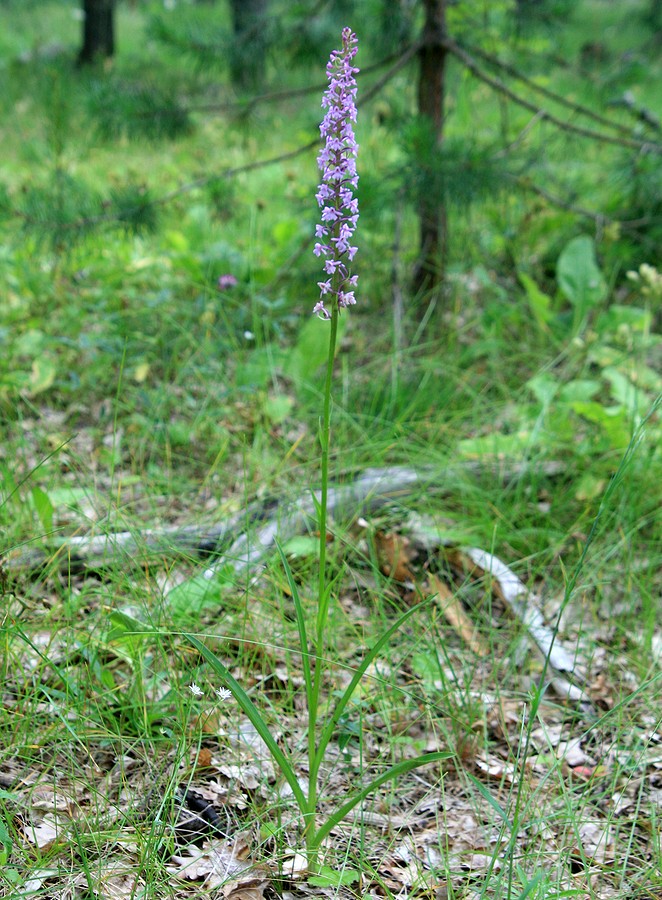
x=337 y=163
x=225 y=282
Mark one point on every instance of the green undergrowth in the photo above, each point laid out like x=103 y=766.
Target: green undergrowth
x=135 y=395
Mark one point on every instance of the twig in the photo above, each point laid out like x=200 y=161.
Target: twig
x=374 y=486
x=293 y=93
x=601 y=219
x=498 y=85
x=402 y=60
x=546 y=92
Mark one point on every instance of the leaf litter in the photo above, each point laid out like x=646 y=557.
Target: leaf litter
x=429 y=837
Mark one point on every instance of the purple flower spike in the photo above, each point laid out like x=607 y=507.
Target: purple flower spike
x=337 y=163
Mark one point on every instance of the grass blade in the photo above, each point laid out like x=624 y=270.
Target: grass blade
x=391 y=773
x=329 y=728
x=251 y=711
x=301 y=622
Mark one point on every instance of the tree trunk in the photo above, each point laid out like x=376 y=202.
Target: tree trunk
x=247 y=63
x=429 y=269
x=98 y=31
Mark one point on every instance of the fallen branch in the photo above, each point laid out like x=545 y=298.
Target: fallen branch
x=271 y=520
x=371 y=489
x=524 y=606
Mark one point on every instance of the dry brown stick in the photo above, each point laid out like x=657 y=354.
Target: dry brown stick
x=134 y=548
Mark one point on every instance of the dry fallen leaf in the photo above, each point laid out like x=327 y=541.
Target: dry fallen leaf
x=45 y=833
x=204 y=758
x=221 y=864
x=455 y=615
x=394 y=552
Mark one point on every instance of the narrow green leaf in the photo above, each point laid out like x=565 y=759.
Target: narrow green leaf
x=44 y=507
x=530 y=886
x=389 y=775
x=329 y=728
x=301 y=623
x=490 y=799
x=252 y=712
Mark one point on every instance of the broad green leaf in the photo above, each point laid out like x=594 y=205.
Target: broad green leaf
x=141 y=372
x=328 y=877
x=68 y=496
x=127 y=625
x=578 y=274
x=632 y=317
x=256 y=370
x=42 y=375
x=612 y=420
x=302 y=545
x=589 y=487
x=426 y=667
x=625 y=392
x=508 y=445
x=277 y=408
x=31 y=343
x=286 y=230
x=187 y=600
x=176 y=240
x=544 y=387
x=311 y=350
x=579 y=389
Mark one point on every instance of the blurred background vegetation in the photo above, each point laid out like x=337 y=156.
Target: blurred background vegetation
x=136 y=171
x=159 y=363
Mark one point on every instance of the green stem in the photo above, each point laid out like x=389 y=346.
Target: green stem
x=322 y=597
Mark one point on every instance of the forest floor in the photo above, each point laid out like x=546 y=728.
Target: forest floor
x=496 y=464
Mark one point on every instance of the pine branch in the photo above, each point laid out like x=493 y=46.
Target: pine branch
x=110 y=219
x=242 y=106
x=467 y=60
x=600 y=219
x=546 y=92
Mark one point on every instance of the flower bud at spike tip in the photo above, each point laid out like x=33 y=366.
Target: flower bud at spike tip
x=337 y=163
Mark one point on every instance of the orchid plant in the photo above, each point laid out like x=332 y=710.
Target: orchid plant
x=339 y=217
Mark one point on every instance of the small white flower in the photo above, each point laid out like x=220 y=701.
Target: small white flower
x=223 y=693
x=195 y=690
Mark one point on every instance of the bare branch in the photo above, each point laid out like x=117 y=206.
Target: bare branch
x=545 y=92
x=600 y=219
x=368 y=95
x=467 y=60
